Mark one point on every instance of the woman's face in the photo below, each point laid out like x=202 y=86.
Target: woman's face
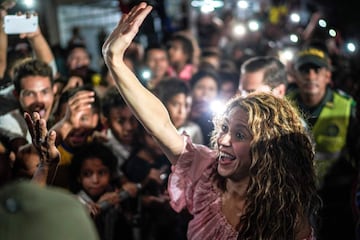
x=94 y=177
x=205 y=90
x=234 y=146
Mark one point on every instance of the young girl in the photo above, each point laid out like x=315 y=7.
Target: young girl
x=92 y=170
x=257 y=182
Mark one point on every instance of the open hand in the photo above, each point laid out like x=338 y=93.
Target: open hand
x=124 y=33
x=42 y=139
x=77 y=106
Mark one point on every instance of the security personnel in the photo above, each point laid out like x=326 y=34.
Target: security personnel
x=331 y=116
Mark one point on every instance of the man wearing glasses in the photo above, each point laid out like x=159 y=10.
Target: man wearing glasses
x=331 y=116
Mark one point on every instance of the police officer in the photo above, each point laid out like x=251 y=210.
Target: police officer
x=331 y=116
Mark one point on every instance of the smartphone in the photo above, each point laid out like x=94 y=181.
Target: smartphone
x=16 y=24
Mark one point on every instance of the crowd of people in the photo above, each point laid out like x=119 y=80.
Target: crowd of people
x=207 y=146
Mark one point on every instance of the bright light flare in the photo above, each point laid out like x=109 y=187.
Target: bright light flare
x=294 y=38
x=295 y=18
x=29 y=3
x=207 y=9
x=332 y=32
x=322 y=23
x=351 y=47
x=206 y=5
x=253 y=25
x=217 y=107
x=243 y=4
x=286 y=55
x=239 y=30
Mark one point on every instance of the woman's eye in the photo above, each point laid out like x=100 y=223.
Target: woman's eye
x=240 y=136
x=224 y=128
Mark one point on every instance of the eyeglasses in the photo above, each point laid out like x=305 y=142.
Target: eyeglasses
x=304 y=69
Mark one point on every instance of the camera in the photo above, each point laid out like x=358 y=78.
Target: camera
x=16 y=24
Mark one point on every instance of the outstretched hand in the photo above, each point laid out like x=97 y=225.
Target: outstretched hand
x=42 y=139
x=124 y=33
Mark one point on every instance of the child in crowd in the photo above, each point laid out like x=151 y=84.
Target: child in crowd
x=77 y=119
x=122 y=127
x=91 y=174
x=37 y=160
x=181 y=51
x=176 y=96
x=150 y=167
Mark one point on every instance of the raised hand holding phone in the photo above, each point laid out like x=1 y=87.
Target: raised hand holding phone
x=17 y=24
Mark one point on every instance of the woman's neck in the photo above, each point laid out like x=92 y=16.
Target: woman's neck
x=237 y=189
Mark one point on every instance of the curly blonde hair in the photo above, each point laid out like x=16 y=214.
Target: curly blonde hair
x=281 y=195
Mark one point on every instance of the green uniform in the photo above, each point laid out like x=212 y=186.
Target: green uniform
x=329 y=123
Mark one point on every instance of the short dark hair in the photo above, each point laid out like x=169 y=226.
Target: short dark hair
x=155 y=46
x=228 y=76
x=112 y=99
x=204 y=73
x=187 y=44
x=274 y=70
x=31 y=67
x=73 y=46
x=167 y=89
x=91 y=150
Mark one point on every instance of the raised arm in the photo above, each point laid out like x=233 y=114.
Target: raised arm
x=41 y=48
x=40 y=45
x=3 y=40
x=146 y=107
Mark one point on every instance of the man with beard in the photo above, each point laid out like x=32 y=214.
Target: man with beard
x=33 y=89
x=77 y=118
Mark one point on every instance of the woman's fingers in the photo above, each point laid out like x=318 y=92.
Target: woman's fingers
x=126 y=30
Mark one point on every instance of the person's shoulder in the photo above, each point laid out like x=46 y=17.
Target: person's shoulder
x=12 y=115
x=343 y=93
x=346 y=96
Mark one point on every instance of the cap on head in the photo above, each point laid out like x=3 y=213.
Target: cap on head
x=29 y=211
x=312 y=55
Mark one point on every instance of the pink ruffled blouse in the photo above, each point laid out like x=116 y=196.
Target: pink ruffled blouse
x=190 y=186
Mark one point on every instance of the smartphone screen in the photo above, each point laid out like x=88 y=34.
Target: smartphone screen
x=14 y=24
